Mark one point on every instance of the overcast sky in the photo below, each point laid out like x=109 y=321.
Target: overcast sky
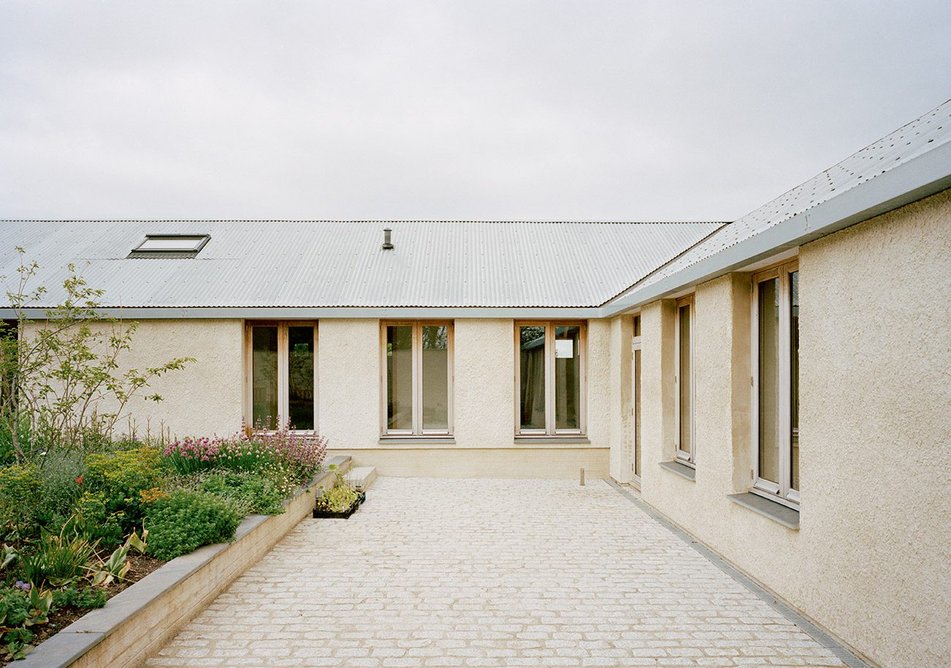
x=470 y=109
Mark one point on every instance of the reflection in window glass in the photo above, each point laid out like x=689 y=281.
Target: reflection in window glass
x=264 y=410
x=769 y=441
x=567 y=377
x=399 y=377
x=794 y=377
x=532 y=376
x=637 y=412
x=685 y=381
x=300 y=382
x=435 y=377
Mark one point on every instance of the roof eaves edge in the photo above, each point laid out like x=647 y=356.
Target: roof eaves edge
x=920 y=177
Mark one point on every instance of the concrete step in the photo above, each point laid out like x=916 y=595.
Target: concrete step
x=361 y=477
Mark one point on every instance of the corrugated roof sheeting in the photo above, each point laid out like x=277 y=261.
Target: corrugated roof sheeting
x=342 y=264
x=920 y=136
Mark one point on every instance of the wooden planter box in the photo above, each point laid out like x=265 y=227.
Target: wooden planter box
x=138 y=621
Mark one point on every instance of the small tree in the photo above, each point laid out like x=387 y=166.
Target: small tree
x=62 y=384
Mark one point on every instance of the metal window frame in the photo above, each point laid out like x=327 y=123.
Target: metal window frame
x=550 y=421
x=139 y=252
x=417 y=379
x=686 y=457
x=283 y=390
x=780 y=490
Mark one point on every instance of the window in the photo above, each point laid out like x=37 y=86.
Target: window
x=417 y=379
x=170 y=245
x=550 y=374
x=282 y=380
x=8 y=361
x=684 y=380
x=776 y=382
x=636 y=379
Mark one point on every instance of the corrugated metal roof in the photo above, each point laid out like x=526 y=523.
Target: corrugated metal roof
x=342 y=264
x=918 y=137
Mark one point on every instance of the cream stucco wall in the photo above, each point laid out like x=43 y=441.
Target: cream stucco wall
x=870 y=560
x=483 y=442
x=203 y=398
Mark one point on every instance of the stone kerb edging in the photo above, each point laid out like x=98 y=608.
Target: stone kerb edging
x=139 y=620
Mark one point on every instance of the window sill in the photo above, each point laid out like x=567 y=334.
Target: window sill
x=788 y=517
x=682 y=470
x=417 y=440
x=562 y=440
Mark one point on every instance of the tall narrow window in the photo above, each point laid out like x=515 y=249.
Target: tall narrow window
x=776 y=382
x=418 y=379
x=8 y=362
x=550 y=378
x=282 y=382
x=636 y=379
x=684 y=381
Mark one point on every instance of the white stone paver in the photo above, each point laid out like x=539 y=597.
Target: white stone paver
x=489 y=573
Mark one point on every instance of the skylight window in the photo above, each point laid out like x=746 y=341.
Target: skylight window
x=170 y=245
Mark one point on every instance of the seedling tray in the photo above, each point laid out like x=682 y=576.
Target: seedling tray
x=329 y=514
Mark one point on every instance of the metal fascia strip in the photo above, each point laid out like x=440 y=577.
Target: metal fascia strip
x=918 y=178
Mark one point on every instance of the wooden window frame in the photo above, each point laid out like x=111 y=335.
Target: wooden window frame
x=780 y=491
x=636 y=397
x=686 y=457
x=283 y=391
x=550 y=429
x=417 y=381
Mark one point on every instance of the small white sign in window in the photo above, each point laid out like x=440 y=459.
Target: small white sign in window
x=564 y=349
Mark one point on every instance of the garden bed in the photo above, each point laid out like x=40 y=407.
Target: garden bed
x=139 y=620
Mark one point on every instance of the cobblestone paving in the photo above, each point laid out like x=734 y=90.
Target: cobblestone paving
x=489 y=573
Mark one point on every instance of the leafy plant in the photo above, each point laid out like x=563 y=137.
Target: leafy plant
x=63 y=386
x=117 y=565
x=20 y=610
x=186 y=520
x=248 y=492
x=83 y=598
x=19 y=488
x=121 y=477
x=60 y=559
x=338 y=498
x=93 y=518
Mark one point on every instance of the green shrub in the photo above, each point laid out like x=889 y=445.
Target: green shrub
x=93 y=518
x=248 y=492
x=20 y=486
x=84 y=598
x=20 y=610
x=61 y=476
x=186 y=520
x=122 y=476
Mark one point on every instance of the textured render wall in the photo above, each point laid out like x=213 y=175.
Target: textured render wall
x=876 y=415
x=875 y=424
x=206 y=396
x=483 y=406
x=621 y=400
x=484 y=383
x=348 y=382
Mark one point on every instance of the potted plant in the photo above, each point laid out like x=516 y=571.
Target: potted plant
x=340 y=501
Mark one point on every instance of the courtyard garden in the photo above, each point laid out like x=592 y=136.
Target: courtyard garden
x=88 y=508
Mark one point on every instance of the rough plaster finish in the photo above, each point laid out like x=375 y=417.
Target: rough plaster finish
x=874 y=432
x=205 y=397
x=484 y=383
x=599 y=367
x=622 y=400
x=348 y=382
x=427 y=574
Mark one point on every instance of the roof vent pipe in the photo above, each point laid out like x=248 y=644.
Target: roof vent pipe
x=387 y=243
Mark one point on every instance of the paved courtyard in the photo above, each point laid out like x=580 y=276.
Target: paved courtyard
x=489 y=573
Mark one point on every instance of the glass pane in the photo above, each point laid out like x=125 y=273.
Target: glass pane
x=399 y=377
x=264 y=377
x=686 y=380
x=768 y=370
x=436 y=378
x=532 y=378
x=567 y=377
x=300 y=382
x=637 y=325
x=794 y=377
x=637 y=412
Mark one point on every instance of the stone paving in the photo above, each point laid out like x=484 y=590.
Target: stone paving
x=489 y=573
